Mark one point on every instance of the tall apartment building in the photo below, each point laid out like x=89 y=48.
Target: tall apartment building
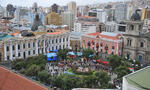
x=68 y=18
x=54 y=8
x=72 y=7
x=121 y=12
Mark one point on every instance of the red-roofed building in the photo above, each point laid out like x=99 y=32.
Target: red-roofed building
x=105 y=42
x=12 y=81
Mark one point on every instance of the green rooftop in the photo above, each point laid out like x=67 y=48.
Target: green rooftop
x=140 y=78
x=4 y=36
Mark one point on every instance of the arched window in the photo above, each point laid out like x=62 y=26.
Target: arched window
x=141 y=44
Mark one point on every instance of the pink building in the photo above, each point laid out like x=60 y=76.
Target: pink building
x=105 y=42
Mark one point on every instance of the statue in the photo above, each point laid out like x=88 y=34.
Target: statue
x=37 y=22
x=136 y=16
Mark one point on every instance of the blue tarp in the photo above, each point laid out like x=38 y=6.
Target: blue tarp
x=54 y=51
x=71 y=53
x=52 y=57
x=70 y=73
x=79 y=53
x=91 y=55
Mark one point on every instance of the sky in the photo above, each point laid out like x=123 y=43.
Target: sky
x=47 y=3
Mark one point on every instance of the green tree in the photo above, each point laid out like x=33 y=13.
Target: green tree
x=43 y=76
x=62 y=53
x=32 y=70
x=114 y=61
x=18 y=64
x=101 y=79
x=122 y=71
x=87 y=53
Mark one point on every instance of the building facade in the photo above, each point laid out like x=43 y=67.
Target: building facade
x=104 y=43
x=87 y=24
x=136 y=43
x=53 y=18
x=42 y=43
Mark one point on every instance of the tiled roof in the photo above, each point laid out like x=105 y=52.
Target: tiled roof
x=94 y=34
x=107 y=35
x=12 y=81
x=54 y=33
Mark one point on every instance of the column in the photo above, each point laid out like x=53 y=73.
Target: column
x=16 y=50
x=5 y=52
x=36 y=47
x=44 y=47
x=117 y=48
x=10 y=47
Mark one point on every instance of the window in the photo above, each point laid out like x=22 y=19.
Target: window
x=141 y=44
x=113 y=47
x=13 y=47
x=24 y=46
x=60 y=40
x=13 y=55
x=33 y=51
x=7 y=48
x=52 y=41
x=18 y=54
x=28 y=52
x=63 y=39
x=63 y=46
x=7 y=57
x=18 y=47
x=28 y=45
x=129 y=42
x=52 y=48
x=56 y=47
x=140 y=27
x=132 y=27
x=67 y=39
x=56 y=40
x=60 y=47
x=33 y=44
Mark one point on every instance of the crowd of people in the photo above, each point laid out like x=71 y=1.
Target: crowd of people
x=59 y=67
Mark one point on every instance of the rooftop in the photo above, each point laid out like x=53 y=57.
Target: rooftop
x=140 y=78
x=107 y=35
x=12 y=81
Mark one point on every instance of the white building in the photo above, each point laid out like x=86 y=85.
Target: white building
x=138 y=80
x=68 y=18
x=100 y=14
x=110 y=26
x=23 y=47
x=85 y=27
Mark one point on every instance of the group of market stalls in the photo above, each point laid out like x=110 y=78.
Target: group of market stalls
x=52 y=56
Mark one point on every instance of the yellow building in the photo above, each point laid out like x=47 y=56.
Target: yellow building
x=145 y=13
x=53 y=18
